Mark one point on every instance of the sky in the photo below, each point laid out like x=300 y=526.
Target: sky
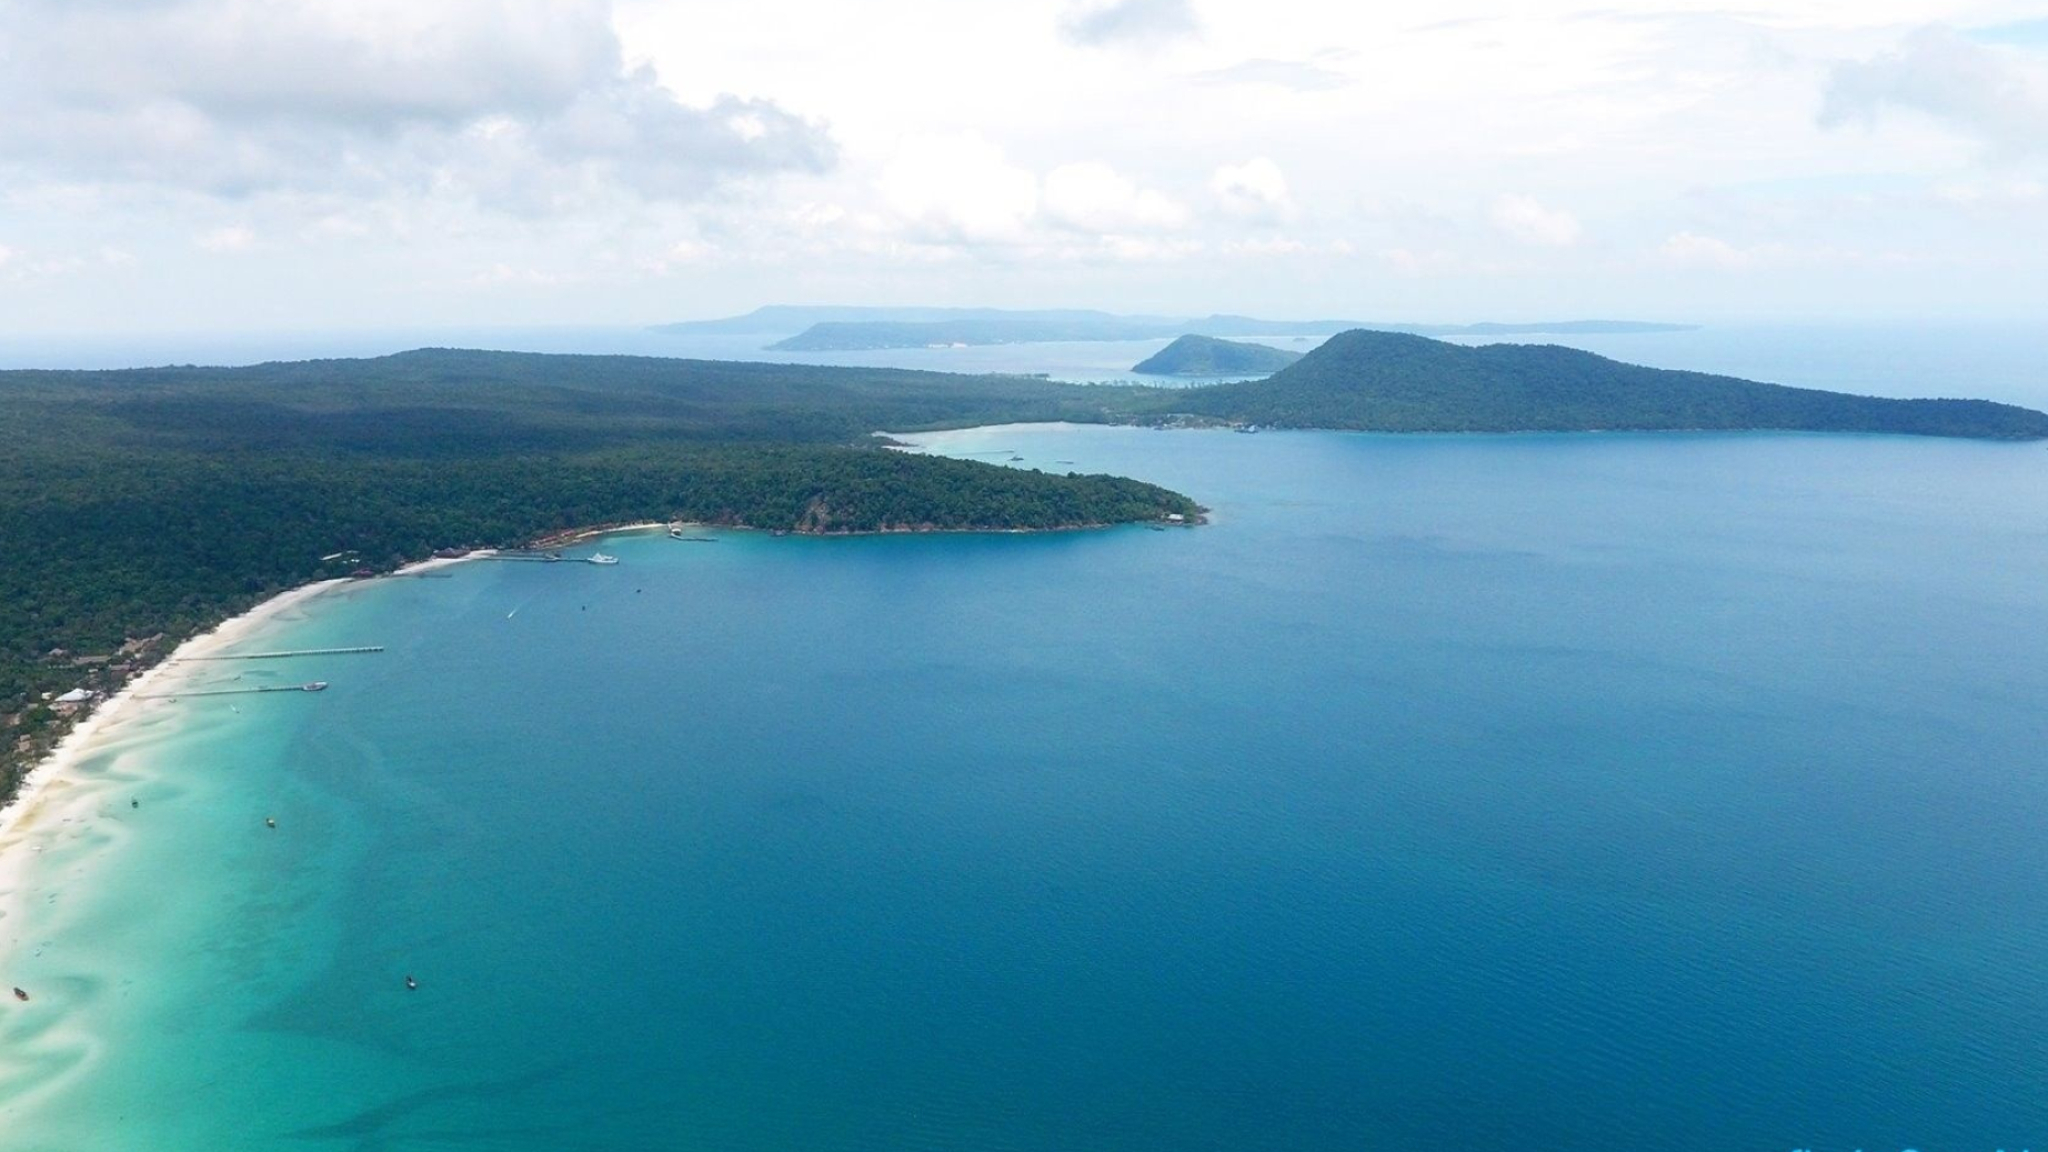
x=263 y=165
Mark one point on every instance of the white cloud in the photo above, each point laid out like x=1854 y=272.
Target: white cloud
x=1292 y=75
x=1093 y=197
x=1254 y=190
x=959 y=189
x=525 y=101
x=1522 y=218
x=233 y=238
x=1268 y=247
x=1693 y=250
x=1998 y=95
x=1142 y=22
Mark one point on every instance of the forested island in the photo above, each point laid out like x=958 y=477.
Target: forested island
x=1389 y=382
x=1208 y=356
x=139 y=507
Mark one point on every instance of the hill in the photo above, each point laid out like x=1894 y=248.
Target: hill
x=1398 y=383
x=1207 y=356
x=782 y=319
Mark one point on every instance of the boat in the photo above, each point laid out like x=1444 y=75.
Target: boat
x=675 y=531
x=1016 y=459
x=20 y=995
x=601 y=558
x=411 y=984
x=315 y=686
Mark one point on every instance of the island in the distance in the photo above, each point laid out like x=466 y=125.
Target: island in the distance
x=1208 y=356
x=854 y=328
x=1389 y=382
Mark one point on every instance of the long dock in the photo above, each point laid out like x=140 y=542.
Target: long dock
x=313 y=687
x=537 y=558
x=288 y=655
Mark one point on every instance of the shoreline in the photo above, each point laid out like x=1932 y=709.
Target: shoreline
x=18 y=812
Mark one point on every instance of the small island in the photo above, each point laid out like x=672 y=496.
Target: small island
x=1208 y=356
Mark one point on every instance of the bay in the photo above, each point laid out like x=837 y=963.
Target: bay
x=1549 y=791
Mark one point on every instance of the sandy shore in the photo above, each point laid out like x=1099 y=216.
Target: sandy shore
x=59 y=817
x=579 y=535
x=20 y=817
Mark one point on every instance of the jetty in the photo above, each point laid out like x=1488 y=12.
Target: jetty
x=314 y=686
x=549 y=558
x=363 y=651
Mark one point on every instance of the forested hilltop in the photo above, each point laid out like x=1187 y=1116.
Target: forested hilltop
x=139 y=507
x=1208 y=356
x=1387 y=382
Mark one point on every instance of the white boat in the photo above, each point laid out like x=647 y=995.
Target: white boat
x=601 y=558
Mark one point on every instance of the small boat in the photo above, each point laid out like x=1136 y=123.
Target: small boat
x=20 y=995
x=675 y=532
x=601 y=558
x=270 y=821
x=1016 y=459
x=411 y=985
x=315 y=686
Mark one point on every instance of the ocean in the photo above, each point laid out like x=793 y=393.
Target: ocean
x=1597 y=791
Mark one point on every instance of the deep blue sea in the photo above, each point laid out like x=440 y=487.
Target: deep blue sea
x=1446 y=792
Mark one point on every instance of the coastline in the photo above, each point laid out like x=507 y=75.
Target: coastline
x=20 y=813
x=55 y=822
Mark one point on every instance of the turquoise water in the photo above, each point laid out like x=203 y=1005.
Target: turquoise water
x=1447 y=792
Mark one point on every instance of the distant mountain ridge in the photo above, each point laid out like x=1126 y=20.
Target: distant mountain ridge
x=783 y=319
x=844 y=328
x=1394 y=382
x=1207 y=356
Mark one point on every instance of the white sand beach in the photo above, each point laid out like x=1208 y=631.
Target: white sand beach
x=51 y=799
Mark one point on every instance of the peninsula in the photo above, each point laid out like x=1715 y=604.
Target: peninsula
x=139 y=508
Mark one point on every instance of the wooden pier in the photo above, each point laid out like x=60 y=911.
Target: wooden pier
x=365 y=651
x=315 y=686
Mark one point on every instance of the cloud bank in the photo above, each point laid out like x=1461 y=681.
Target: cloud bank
x=517 y=103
